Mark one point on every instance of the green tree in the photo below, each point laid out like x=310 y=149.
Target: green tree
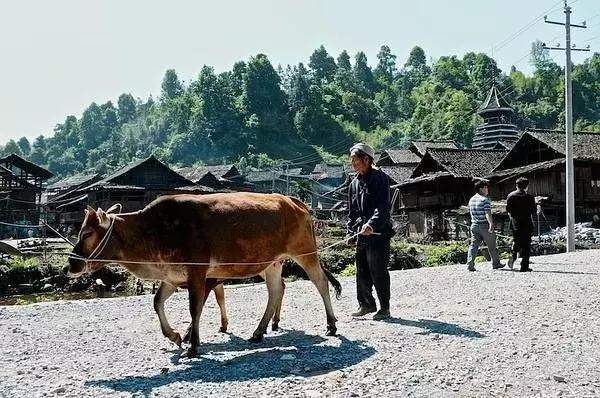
x=92 y=132
x=265 y=104
x=12 y=147
x=38 y=151
x=171 y=86
x=322 y=66
x=24 y=146
x=363 y=75
x=386 y=67
x=127 y=109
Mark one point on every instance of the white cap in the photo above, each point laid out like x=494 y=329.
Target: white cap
x=363 y=148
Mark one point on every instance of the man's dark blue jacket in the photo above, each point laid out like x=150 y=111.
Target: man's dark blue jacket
x=369 y=202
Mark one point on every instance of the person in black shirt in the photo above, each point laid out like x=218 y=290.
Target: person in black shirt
x=521 y=207
x=369 y=205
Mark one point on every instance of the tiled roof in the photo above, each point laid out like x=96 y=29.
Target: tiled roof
x=423 y=145
x=111 y=179
x=493 y=101
x=196 y=173
x=586 y=146
x=528 y=168
x=260 y=175
x=26 y=165
x=400 y=156
x=398 y=174
x=323 y=170
x=72 y=181
x=467 y=162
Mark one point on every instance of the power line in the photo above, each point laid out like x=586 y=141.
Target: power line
x=525 y=28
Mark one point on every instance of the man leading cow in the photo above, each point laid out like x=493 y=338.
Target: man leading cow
x=369 y=205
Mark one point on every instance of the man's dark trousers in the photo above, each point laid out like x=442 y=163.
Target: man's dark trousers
x=372 y=258
x=522 y=243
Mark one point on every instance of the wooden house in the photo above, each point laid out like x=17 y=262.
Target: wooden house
x=20 y=194
x=221 y=177
x=399 y=164
x=443 y=180
x=134 y=186
x=539 y=155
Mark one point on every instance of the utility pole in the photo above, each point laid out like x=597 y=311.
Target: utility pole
x=287 y=178
x=570 y=168
x=273 y=181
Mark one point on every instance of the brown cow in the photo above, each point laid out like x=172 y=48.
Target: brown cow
x=226 y=236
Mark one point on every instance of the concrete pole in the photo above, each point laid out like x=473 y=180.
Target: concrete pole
x=570 y=172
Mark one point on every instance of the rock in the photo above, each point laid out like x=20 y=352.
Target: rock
x=559 y=379
x=288 y=357
x=60 y=390
x=164 y=370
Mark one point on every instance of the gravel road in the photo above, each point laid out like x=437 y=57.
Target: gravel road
x=454 y=333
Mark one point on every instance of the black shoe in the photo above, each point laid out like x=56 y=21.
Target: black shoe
x=498 y=266
x=525 y=269
x=471 y=268
x=364 y=311
x=381 y=315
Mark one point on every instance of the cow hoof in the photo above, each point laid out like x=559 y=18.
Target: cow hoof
x=190 y=353
x=275 y=326
x=331 y=331
x=176 y=338
x=223 y=329
x=255 y=339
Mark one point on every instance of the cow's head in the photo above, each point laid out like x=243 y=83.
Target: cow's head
x=96 y=224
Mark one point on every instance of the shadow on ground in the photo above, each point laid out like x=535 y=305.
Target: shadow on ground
x=432 y=326
x=239 y=360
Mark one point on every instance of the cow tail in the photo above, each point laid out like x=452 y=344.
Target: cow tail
x=334 y=282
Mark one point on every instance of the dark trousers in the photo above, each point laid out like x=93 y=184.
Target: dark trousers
x=372 y=258
x=522 y=244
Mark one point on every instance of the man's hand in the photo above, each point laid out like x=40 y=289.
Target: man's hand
x=491 y=229
x=366 y=230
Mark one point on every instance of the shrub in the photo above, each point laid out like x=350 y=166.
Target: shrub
x=454 y=253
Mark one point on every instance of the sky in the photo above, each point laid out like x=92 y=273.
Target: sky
x=59 y=56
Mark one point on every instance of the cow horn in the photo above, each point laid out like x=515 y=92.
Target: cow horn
x=91 y=209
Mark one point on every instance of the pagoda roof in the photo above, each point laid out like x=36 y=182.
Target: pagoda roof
x=494 y=101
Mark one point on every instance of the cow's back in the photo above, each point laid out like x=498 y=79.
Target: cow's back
x=241 y=227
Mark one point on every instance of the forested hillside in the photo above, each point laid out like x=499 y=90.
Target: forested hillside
x=257 y=113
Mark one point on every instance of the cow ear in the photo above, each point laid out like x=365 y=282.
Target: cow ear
x=103 y=218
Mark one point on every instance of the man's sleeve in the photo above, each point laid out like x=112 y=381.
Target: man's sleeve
x=533 y=206
x=381 y=215
x=487 y=205
x=509 y=204
x=353 y=213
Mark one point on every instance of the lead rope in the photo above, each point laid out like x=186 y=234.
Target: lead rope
x=104 y=242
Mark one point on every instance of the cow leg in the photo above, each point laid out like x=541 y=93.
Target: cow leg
x=311 y=266
x=277 y=316
x=272 y=276
x=214 y=285
x=220 y=296
x=196 y=290
x=165 y=290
